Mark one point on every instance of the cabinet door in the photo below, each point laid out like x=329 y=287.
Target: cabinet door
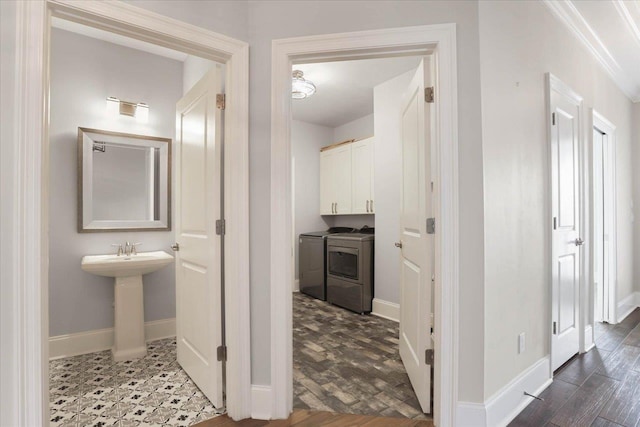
x=326 y=183
x=342 y=179
x=362 y=176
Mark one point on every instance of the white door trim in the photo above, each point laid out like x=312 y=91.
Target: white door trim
x=602 y=124
x=29 y=333
x=440 y=40
x=553 y=83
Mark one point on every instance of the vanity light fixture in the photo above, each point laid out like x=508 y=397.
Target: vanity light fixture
x=138 y=110
x=301 y=88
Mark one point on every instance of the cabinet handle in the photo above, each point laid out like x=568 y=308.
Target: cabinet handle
x=333 y=208
x=371 y=206
x=336 y=207
x=367 y=206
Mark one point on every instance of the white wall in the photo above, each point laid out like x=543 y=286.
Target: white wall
x=8 y=254
x=84 y=71
x=387 y=99
x=306 y=141
x=519 y=42
x=193 y=70
x=356 y=129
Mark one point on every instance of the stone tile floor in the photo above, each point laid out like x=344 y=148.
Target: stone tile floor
x=348 y=363
x=93 y=390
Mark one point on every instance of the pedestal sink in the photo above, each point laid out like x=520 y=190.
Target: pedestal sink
x=128 y=340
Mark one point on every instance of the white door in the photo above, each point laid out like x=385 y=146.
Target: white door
x=566 y=242
x=198 y=261
x=362 y=176
x=417 y=256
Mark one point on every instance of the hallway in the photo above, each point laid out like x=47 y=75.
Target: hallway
x=598 y=388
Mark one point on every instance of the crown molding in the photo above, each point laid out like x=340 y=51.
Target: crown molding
x=569 y=15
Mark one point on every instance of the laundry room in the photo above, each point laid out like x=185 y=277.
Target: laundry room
x=356 y=167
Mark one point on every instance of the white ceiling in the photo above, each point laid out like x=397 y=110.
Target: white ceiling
x=345 y=89
x=611 y=32
x=118 y=39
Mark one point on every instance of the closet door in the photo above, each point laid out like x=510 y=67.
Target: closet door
x=362 y=176
x=342 y=179
x=326 y=183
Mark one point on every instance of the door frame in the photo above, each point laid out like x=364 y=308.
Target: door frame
x=440 y=41
x=28 y=220
x=585 y=324
x=600 y=123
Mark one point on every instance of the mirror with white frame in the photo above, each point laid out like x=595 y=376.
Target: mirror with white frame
x=124 y=182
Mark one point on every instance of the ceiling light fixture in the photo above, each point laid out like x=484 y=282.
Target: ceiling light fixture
x=301 y=88
x=138 y=110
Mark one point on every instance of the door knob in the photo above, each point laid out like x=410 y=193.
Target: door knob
x=579 y=242
x=398 y=245
x=175 y=247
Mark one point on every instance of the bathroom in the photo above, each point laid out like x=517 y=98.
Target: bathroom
x=88 y=66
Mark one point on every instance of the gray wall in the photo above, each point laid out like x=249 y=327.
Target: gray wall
x=259 y=22
x=84 y=71
x=270 y=20
x=306 y=141
x=636 y=180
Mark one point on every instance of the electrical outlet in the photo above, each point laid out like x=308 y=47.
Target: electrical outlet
x=521 y=343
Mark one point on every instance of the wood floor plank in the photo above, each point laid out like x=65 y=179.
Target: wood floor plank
x=307 y=418
x=601 y=422
x=633 y=338
x=620 y=362
x=585 y=404
x=538 y=413
x=624 y=406
x=611 y=339
x=577 y=371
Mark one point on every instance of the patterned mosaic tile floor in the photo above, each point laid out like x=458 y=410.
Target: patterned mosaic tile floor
x=347 y=363
x=93 y=390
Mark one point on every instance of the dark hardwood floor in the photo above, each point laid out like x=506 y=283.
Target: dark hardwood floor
x=308 y=418
x=599 y=388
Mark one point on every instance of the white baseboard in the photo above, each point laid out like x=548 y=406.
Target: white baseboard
x=588 y=338
x=501 y=408
x=627 y=305
x=102 y=339
x=386 y=309
x=296 y=285
x=261 y=402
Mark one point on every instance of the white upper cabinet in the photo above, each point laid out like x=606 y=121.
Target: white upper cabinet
x=362 y=176
x=346 y=179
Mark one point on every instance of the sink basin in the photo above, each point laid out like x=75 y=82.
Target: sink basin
x=128 y=332
x=125 y=266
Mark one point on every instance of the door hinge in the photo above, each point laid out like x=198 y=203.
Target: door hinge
x=555 y=222
x=428 y=356
x=553 y=119
x=221 y=227
x=221 y=101
x=555 y=328
x=431 y=226
x=222 y=353
x=429 y=94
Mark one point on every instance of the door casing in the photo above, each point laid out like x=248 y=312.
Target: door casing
x=29 y=271
x=439 y=41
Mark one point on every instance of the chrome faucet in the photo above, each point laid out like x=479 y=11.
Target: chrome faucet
x=131 y=248
x=127 y=249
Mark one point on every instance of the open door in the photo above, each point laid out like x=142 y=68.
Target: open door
x=198 y=171
x=416 y=245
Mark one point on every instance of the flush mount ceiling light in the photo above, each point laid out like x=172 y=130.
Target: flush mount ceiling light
x=138 y=110
x=301 y=88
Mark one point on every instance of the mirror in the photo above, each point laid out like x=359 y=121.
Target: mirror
x=124 y=182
